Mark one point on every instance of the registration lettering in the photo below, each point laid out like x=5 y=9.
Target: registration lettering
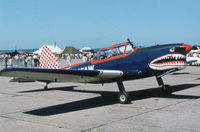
x=90 y=67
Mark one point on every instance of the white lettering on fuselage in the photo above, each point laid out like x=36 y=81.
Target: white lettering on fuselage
x=90 y=67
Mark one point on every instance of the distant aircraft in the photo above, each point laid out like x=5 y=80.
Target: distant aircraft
x=192 y=57
x=116 y=63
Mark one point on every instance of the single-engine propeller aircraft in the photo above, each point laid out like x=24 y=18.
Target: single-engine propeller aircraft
x=116 y=63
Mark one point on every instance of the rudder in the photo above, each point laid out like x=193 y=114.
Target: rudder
x=47 y=59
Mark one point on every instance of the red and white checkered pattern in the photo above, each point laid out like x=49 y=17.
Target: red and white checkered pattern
x=47 y=59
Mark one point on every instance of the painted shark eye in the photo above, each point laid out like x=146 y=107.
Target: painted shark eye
x=172 y=49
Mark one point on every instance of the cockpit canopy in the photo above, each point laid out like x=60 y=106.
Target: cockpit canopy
x=114 y=51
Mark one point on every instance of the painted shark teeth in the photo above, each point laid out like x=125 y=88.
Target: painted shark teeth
x=168 y=61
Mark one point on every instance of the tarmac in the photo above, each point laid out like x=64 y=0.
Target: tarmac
x=73 y=107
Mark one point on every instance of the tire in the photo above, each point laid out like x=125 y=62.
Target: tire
x=167 y=89
x=123 y=98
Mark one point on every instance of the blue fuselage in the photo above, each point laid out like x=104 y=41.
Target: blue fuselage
x=137 y=64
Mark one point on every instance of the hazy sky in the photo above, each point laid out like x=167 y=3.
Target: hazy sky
x=97 y=23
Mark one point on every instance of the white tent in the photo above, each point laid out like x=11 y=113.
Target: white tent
x=54 y=48
x=85 y=49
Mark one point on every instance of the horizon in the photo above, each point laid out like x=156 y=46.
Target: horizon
x=24 y=49
x=31 y=24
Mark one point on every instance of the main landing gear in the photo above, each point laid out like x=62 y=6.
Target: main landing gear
x=123 y=96
x=166 y=89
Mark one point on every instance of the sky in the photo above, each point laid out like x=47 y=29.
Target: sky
x=97 y=23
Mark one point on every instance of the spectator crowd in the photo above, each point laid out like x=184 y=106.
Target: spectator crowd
x=33 y=60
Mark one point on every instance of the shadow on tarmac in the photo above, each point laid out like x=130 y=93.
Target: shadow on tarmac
x=180 y=73
x=106 y=98
x=68 y=88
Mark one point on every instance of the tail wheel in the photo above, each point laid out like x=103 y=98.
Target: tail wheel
x=167 y=89
x=123 y=98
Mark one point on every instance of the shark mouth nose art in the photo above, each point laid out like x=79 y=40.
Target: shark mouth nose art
x=168 y=61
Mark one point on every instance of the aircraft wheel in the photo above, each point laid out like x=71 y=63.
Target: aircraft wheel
x=167 y=89
x=123 y=98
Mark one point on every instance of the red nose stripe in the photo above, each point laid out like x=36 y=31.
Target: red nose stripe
x=187 y=48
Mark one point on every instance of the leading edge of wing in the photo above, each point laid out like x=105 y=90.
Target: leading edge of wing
x=59 y=71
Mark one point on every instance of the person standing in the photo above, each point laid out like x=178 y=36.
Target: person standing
x=16 y=57
x=30 y=60
x=87 y=57
x=25 y=60
x=35 y=60
x=6 y=61
x=69 y=59
x=84 y=58
x=11 y=61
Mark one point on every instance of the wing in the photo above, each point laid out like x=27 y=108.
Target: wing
x=61 y=75
x=191 y=61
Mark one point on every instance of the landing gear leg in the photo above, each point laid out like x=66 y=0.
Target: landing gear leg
x=123 y=96
x=166 y=89
x=46 y=86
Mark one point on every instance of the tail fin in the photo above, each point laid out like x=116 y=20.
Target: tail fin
x=47 y=59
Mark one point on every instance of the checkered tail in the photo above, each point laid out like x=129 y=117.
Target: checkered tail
x=47 y=59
